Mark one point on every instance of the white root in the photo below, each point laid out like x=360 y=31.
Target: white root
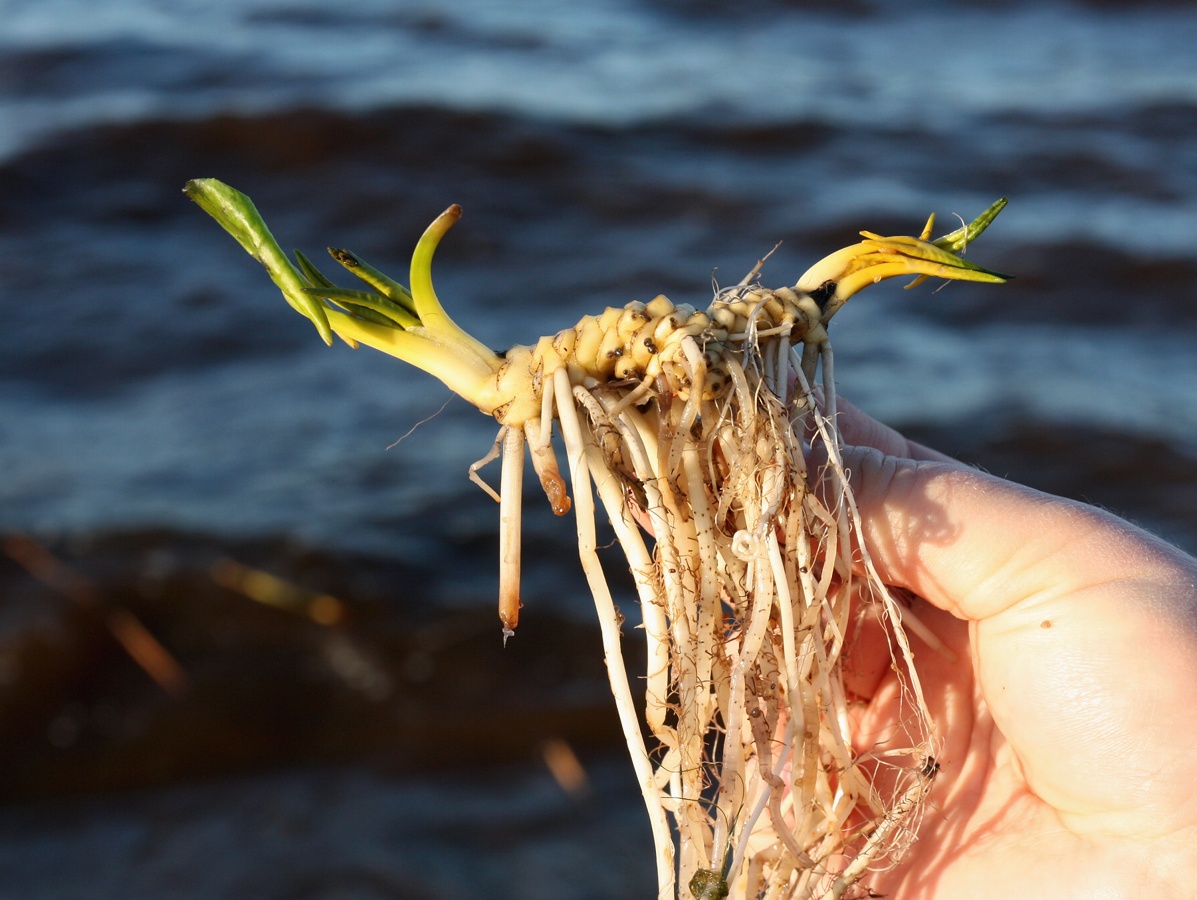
x=648 y=583
x=579 y=451
x=491 y=455
x=510 y=522
x=746 y=598
x=746 y=602
x=544 y=463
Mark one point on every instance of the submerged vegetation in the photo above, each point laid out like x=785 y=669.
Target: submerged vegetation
x=692 y=429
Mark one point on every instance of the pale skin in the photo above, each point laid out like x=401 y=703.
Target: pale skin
x=1068 y=719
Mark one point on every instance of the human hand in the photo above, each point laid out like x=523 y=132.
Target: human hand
x=1068 y=718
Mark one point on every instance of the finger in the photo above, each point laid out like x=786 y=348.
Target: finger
x=976 y=545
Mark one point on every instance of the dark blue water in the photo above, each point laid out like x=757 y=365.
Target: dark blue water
x=149 y=375
x=152 y=381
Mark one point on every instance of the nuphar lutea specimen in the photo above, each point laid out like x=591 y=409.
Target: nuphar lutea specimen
x=692 y=429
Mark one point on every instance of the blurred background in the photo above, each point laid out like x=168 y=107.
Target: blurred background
x=248 y=643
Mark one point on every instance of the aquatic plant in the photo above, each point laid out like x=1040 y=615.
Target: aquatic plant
x=693 y=428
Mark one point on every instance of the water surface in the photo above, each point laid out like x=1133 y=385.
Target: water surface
x=158 y=400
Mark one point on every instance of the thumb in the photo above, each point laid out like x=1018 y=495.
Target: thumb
x=969 y=543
